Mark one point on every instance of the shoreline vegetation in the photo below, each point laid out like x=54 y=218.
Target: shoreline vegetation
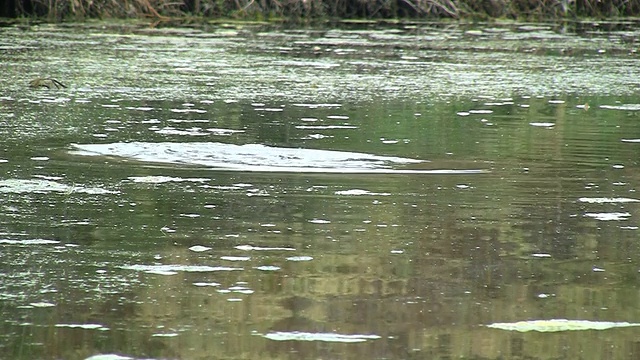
x=310 y=10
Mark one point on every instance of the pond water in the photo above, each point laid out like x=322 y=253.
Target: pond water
x=365 y=192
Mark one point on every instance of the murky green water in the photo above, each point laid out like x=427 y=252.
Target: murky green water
x=408 y=192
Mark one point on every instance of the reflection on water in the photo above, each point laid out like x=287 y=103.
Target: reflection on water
x=314 y=213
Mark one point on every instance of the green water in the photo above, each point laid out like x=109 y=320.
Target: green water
x=508 y=192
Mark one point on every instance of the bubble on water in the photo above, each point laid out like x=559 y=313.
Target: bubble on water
x=325 y=127
x=614 y=216
x=224 y=132
x=603 y=200
x=140 y=108
x=109 y=357
x=241 y=290
x=29 y=242
x=624 y=107
x=300 y=258
x=325 y=337
x=205 y=284
x=319 y=221
x=542 y=124
x=83 y=326
x=235 y=258
x=558 y=325
x=192 y=216
x=167 y=269
x=163 y=179
x=162 y=272
x=257 y=248
x=316 y=136
x=174 y=131
x=252 y=157
x=199 y=111
x=267 y=268
x=42 y=304
x=199 y=248
x=315 y=106
x=360 y=192
x=178 y=121
x=165 y=335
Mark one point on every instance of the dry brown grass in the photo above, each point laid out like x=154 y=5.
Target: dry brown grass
x=56 y=10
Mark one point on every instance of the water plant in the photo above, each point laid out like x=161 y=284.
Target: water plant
x=49 y=83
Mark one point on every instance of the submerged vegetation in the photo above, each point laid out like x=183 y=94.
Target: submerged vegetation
x=49 y=83
x=165 y=10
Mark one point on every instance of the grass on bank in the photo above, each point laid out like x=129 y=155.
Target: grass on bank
x=59 y=10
